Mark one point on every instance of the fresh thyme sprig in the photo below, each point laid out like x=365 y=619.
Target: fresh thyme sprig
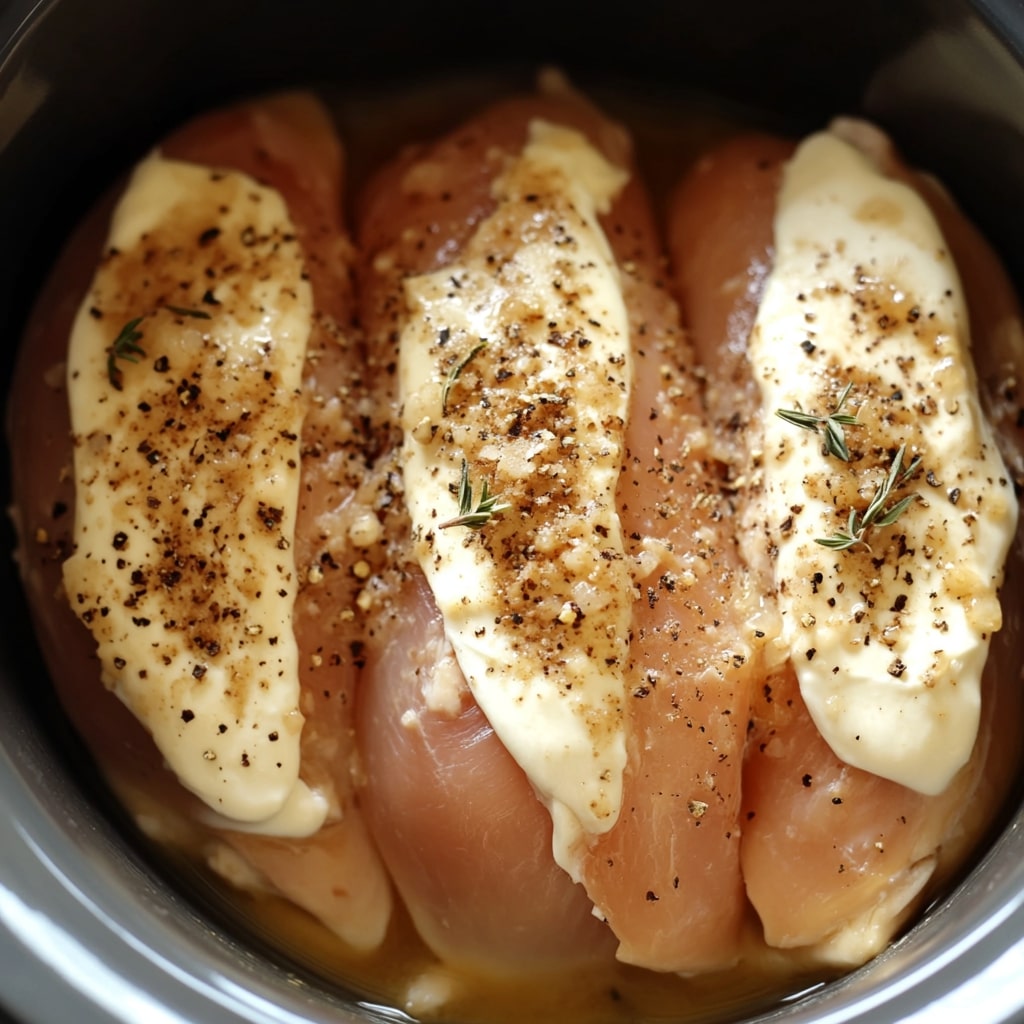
x=876 y=514
x=832 y=424
x=125 y=346
x=456 y=371
x=198 y=314
x=476 y=518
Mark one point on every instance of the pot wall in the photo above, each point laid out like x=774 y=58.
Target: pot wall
x=88 y=930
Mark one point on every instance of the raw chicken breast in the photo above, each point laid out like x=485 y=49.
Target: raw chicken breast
x=287 y=142
x=474 y=864
x=834 y=858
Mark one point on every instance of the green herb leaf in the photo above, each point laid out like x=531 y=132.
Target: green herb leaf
x=891 y=515
x=125 y=346
x=832 y=424
x=876 y=514
x=456 y=371
x=199 y=314
x=478 y=516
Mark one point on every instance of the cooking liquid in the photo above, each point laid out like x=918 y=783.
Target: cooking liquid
x=669 y=134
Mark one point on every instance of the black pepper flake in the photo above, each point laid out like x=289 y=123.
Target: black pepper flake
x=120 y=541
x=270 y=517
x=198 y=671
x=651 y=897
x=837 y=800
x=188 y=392
x=954 y=495
x=358 y=649
x=806 y=780
x=808 y=346
x=245 y=759
x=811 y=652
x=209 y=235
x=896 y=669
x=187 y=715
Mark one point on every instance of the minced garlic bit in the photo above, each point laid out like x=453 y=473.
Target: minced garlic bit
x=889 y=636
x=187 y=473
x=537 y=602
x=697 y=808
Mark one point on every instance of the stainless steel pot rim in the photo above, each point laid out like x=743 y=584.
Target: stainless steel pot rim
x=86 y=929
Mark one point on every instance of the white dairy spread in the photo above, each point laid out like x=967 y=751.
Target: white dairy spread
x=890 y=635
x=186 y=466
x=537 y=603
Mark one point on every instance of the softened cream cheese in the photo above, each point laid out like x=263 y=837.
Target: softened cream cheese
x=516 y=362
x=186 y=464
x=888 y=636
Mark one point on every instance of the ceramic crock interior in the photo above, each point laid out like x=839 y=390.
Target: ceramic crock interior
x=85 y=88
